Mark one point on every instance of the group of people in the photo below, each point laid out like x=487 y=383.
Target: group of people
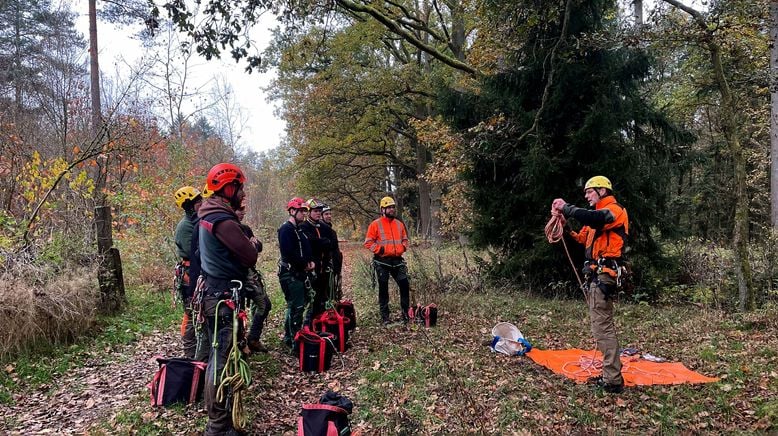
x=310 y=265
x=218 y=256
x=218 y=269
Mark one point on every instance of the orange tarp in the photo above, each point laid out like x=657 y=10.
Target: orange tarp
x=577 y=365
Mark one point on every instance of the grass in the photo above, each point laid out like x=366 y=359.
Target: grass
x=42 y=363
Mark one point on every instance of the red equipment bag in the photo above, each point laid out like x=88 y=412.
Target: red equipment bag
x=333 y=322
x=315 y=349
x=327 y=418
x=346 y=308
x=425 y=315
x=178 y=380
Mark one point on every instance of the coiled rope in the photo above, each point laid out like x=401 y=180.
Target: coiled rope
x=555 y=231
x=585 y=365
x=235 y=376
x=592 y=367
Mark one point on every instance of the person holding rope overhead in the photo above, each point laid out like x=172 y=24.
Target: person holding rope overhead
x=603 y=235
x=387 y=238
x=226 y=255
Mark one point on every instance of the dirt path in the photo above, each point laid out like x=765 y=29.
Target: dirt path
x=72 y=402
x=93 y=395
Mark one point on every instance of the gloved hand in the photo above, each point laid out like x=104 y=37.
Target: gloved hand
x=557 y=205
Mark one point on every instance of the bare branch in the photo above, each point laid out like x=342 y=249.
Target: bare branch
x=394 y=27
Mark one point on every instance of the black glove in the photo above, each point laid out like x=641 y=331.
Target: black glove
x=381 y=251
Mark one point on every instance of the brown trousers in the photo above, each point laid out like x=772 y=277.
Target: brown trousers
x=603 y=328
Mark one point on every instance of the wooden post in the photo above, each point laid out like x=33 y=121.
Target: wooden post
x=109 y=271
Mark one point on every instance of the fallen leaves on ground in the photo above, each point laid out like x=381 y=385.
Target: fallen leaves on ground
x=443 y=380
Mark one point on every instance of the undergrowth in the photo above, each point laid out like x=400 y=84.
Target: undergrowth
x=42 y=361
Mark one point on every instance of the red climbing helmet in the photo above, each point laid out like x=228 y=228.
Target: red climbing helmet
x=296 y=203
x=223 y=174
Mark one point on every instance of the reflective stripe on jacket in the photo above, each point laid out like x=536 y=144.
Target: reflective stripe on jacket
x=386 y=237
x=605 y=234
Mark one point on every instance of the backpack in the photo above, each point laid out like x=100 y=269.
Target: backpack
x=178 y=380
x=314 y=349
x=424 y=315
x=329 y=417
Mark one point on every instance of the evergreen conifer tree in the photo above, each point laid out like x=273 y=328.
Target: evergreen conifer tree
x=592 y=120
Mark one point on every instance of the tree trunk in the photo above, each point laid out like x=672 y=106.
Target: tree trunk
x=730 y=125
x=94 y=70
x=109 y=273
x=637 y=12
x=425 y=215
x=17 y=74
x=423 y=111
x=774 y=114
x=458 y=34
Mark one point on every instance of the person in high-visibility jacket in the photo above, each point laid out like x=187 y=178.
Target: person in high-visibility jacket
x=387 y=238
x=603 y=235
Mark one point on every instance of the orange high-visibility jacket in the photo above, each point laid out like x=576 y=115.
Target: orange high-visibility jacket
x=605 y=228
x=386 y=237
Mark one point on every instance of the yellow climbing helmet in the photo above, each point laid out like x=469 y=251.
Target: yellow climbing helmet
x=598 y=182
x=184 y=194
x=207 y=192
x=386 y=202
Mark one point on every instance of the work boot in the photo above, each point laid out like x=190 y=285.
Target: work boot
x=386 y=322
x=607 y=387
x=256 y=346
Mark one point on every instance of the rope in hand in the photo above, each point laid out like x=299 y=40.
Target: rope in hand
x=555 y=231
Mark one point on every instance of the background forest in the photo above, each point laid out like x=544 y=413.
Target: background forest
x=474 y=114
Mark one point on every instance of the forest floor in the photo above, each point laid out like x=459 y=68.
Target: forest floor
x=443 y=380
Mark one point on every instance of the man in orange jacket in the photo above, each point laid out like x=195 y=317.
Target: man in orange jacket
x=387 y=239
x=604 y=236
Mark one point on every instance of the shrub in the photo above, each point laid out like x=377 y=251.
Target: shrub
x=36 y=306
